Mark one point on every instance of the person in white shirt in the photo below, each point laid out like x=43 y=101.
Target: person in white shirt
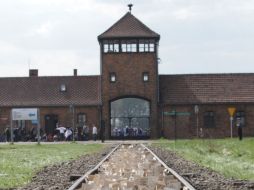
x=94 y=132
x=68 y=134
x=61 y=130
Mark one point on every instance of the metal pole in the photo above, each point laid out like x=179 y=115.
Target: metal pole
x=175 y=131
x=197 y=126
x=196 y=110
x=175 y=125
x=162 y=125
x=38 y=126
x=73 y=124
x=11 y=127
x=231 y=126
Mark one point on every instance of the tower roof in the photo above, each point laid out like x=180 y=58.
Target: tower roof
x=128 y=27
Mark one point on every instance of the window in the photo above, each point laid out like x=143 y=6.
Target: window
x=209 y=119
x=81 y=118
x=145 y=76
x=112 y=77
x=240 y=119
x=63 y=88
x=129 y=47
x=146 y=46
x=111 y=46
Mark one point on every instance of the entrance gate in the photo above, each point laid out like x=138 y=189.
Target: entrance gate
x=130 y=118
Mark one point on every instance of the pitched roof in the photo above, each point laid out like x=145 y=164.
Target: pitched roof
x=207 y=88
x=45 y=91
x=129 y=26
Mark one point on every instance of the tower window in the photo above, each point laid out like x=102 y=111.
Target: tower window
x=145 y=76
x=146 y=46
x=111 y=46
x=129 y=47
x=112 y=77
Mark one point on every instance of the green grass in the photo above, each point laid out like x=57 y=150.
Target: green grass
x=230 y=157
x=18 y=163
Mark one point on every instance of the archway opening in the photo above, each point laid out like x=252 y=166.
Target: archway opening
x=129 y=118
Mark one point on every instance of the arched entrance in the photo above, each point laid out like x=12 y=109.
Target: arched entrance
x=129 y=118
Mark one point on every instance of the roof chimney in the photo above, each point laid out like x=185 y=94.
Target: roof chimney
x=75 y=72
x=33 y=72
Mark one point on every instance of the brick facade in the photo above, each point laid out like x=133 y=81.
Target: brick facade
x=129 y=69
x=186 y=126
x=63 y=114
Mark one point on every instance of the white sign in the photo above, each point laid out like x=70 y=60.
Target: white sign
x=24 y=114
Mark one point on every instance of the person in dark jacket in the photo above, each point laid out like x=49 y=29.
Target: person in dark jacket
x=7 y=134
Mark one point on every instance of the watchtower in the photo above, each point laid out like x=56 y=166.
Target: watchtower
x=129 y=79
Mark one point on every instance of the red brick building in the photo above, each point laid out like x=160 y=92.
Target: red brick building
x=130 y=96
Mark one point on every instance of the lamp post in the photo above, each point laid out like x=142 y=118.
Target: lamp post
x=196 y=110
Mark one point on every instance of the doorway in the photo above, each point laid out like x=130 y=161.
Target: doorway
x=50 y=124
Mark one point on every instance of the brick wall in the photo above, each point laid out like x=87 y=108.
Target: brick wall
x=63 y=113
x=186 y=126
x=129 y=68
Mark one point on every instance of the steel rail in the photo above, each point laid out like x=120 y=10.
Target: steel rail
x=83 y=178
x=180 y=178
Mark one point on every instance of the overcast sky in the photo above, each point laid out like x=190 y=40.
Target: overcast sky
x=56 y=36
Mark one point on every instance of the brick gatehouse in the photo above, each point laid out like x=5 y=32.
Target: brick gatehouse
x=130 y=96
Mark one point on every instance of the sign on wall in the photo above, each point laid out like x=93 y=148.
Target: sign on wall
x=24 y=114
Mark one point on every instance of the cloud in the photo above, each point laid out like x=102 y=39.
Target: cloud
x=43 y=30
x=195 y=34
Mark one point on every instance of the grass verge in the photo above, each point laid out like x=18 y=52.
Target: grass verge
x=18 y=163
x=230 y=157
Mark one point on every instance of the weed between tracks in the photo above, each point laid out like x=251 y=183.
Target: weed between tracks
x=230 y=157
x=18 y=163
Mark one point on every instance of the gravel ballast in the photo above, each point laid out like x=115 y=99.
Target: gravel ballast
x=201 y=178
x=58 y=176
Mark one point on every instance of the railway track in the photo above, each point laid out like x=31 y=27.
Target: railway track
x=131 y=167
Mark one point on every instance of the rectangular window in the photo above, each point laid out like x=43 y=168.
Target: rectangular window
x=116 y=48
x=141 y=47
x=129 y=47
x=111 y=46
x=105 y=48
x=112 y=77
x=151 y=46
x=124 y=47
x=240 y=119
x=145 y=76
x=81 y=118
x=146 y=45
x=209 y=119
x=133 y=47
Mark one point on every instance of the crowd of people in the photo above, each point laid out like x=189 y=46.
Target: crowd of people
x=20 y=134
x=129 y=132
x=61 y=133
